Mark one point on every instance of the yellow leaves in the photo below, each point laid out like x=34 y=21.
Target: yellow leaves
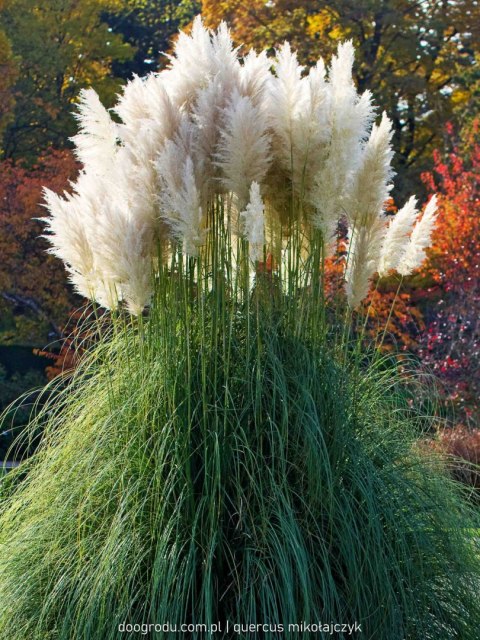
x=337 y=33
x=460 y=96
x=319 y=23
x=243 y=17
x=326 y=23
x=111 y=5
x=439 y=76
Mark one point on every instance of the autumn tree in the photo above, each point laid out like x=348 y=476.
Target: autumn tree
x=451 y=343
x=436 y=310
x=61 y=46
x=416 y=57
x=34 y=297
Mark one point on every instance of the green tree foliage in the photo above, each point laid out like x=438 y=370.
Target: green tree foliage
x=416 y=57
x=8 y=76
x=61 y=46
x=148 y=25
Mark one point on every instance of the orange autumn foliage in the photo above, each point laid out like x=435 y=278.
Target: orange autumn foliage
x=32 y=283
x=451 y=342
x=437 y=310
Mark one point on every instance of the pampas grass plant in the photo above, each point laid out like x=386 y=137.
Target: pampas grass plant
x=228 y=451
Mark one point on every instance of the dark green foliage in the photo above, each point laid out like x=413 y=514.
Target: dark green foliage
x=149 y=25
x=12 y=387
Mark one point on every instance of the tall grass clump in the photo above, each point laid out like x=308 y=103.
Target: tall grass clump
x=228 y=452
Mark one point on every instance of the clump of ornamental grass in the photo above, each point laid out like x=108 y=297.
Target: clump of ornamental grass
x=227 y=459
x=228 y=451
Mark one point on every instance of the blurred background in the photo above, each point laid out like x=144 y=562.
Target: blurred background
x=420 y=61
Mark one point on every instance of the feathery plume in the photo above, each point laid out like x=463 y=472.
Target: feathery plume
x=147 y=112
x=254 y=222
x=197 y=59
x=284 y=98
x=397 y=237
x=371 y=183
x=310 y=130
x=124 y=254
x=180 y=201
x=207 y=117
x=72 y=228
x=132 y=105
x=351 y=114
x=96 y=142
x=66 y=230
x=191 y=63
x=244 y=150
x=254 y=75
x=349 y=118
x=366 y=201
x=149 y=118
x=362 y=260
x=419 y=240
x=226 y=63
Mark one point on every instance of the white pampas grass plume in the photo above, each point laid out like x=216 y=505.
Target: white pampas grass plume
x=397 y=237
x=254 y=75
x=341 y=66
x=351 y=113
x=67 y=232
x=254 y=222
x=136 y=183
x=207 y=116
x=362 y=260
x=123 y=256
x=149 y=118
x=106 y=250
x=366 y=205
x=369 y=191
x=197 y=59
x=225 y=56
x=349 y=118
x=96 y=142
x=371 y=183
x=244 y=149
x=133 y=104
x=137 y=290
x=191 y=63
x=180 y=199
x=419 y=240
x=311 y=130
x=148 y=115
x=314 y=122
x=284 y=98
